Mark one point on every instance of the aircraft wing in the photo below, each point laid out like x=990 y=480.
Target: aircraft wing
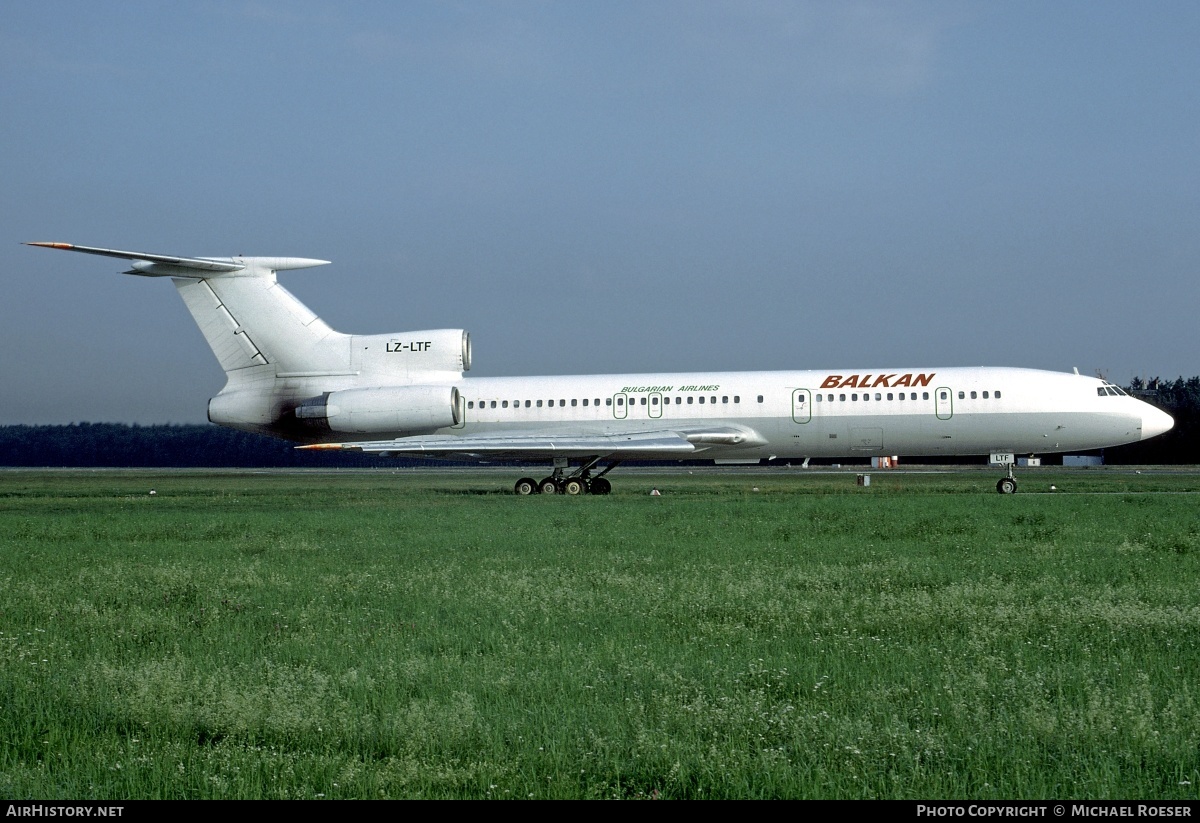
x=518 y=445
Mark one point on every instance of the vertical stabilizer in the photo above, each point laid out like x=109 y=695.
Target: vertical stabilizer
x=250 y=320
x=247 y=318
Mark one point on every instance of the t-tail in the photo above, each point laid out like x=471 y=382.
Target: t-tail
x=288 y=373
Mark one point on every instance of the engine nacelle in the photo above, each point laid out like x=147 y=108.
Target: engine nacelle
x=383 y=410
x=248 y=410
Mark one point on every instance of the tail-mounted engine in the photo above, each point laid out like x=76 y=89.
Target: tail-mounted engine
x=385 y=410
x=413 y=354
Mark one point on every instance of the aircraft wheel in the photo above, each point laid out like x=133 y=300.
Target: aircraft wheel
x=526 y=485
x=574 y=486
x=548 y=486
x=601 y=486
x=1006 y=485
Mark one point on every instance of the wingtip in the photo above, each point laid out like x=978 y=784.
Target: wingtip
x=50 y=245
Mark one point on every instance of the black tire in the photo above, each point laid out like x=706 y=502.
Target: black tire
x=601 y=486
x=525 y=486
x=574 y=486
x=548 y=486
x=1006 y=485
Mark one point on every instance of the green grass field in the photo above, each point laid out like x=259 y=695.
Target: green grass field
x=408 y=634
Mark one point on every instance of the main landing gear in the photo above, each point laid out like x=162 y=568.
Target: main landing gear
x=582 y=481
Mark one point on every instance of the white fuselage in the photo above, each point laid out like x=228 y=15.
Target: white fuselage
x=827 y=413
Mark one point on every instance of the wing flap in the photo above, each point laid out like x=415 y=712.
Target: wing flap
x=647 y=444
x=667 y=444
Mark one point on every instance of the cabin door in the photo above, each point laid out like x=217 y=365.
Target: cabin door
x=943 y=403
x=620 y=409
x=801 y=405
x=656 y=404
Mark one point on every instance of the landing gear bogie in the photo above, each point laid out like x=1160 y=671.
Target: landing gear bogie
x=582 y=481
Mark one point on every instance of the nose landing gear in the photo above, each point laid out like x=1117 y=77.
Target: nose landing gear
x=1005 y=485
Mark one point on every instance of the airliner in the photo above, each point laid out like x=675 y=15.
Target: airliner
x=290 y=375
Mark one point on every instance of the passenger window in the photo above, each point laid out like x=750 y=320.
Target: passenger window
x=526 y=404
x=854 y=397
x=985 y=395
x=878 y=396
x=701 y=400
x=819 y=396
x=574 y=402
x=866 y=396
x=760 y=398
x=504 y=404
x=737 y=399
x=974 y=396
x=725 y=399
x=997 y=395
x=842 y=397
x=539 y=404
x=690 y=399
x=493 y=404
x=654 y=401
x=470 y=404
x=962 y=395
x=889 y=395
x=608 y=401
x=562 y=402
x=924 y=395
x=643 y=401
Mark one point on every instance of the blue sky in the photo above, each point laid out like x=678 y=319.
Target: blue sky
x=604 y=186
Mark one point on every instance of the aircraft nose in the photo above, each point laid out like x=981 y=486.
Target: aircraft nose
x=1155 y=422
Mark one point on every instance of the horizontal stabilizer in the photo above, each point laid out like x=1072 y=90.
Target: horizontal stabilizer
x=165 y=265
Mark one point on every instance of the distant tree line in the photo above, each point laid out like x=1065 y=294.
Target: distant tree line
x=111 y=445
x=96 y=445
x=1179 y=398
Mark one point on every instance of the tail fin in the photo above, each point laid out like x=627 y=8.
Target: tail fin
x=278 y=355
x=247 y=318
